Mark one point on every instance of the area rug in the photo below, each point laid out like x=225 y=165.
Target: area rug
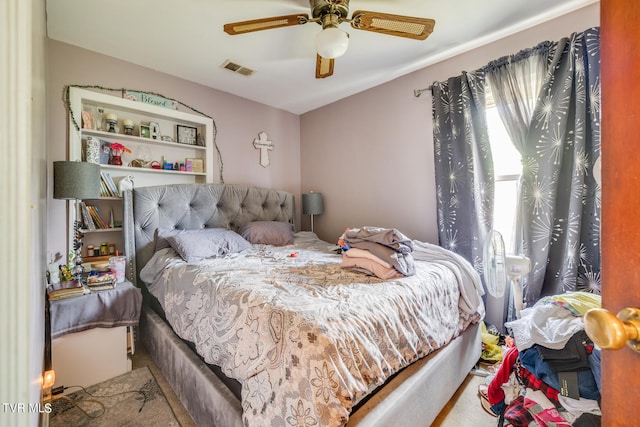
x=131 y=399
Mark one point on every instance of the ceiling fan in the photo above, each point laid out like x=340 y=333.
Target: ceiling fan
x=332 y=42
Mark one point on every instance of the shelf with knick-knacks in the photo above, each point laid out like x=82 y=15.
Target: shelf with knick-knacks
x=139 y=139
x=156 y=140
x=142 y=155
x=101 y=221
x=153 y=145
x=153 y=138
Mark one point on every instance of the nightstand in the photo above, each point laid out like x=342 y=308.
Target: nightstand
x=92 y=335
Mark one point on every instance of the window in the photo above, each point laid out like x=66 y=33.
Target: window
x=507 y=166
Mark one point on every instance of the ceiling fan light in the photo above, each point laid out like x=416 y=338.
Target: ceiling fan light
x=332 y=42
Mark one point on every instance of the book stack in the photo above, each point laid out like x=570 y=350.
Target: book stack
x=67 y=289
x=101 y=281
x=92 y=217
x=101 y=277
x=87 y=221
x=108 y=188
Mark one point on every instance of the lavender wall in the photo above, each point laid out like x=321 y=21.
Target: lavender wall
x=238 y=121
x=374 y=162
x=371 y=154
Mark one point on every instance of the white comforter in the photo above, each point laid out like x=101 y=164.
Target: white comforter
x=306 y=338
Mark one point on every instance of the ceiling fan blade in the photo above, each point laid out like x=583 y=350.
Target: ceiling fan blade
x=324 y=67
x=393 y=25
x=265 y=23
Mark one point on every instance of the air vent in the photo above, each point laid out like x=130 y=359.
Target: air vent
x=237 y=68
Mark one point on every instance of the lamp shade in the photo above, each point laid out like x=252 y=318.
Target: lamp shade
x=76 y=180
x=312 y=203
x=332 y=42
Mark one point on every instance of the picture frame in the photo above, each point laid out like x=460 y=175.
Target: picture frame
x=155 y=130
x=186 y=134
x=145 y=131
x=105 y=152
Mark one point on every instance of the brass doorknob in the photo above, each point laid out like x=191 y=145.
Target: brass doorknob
x=612 y=332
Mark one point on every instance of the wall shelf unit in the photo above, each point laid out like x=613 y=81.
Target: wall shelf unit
x=163 y=149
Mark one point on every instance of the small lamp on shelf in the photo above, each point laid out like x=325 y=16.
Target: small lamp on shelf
x=75 y=181
x=312 y=205
x=112 y=122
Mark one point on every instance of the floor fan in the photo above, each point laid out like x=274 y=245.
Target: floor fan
x=500 y=268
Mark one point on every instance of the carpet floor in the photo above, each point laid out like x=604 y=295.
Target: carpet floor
x=132 y=399
x=464 y=409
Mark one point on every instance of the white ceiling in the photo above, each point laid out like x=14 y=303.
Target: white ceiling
x=185 y=39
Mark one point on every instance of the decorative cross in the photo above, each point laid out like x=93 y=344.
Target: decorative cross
x=264 y=145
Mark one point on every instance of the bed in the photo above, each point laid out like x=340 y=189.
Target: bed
x=308 y=346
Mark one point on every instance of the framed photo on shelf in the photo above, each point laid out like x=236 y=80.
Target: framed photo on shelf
x=186 y=134
x=155 y=130
x=105 y=152
x=145 y=131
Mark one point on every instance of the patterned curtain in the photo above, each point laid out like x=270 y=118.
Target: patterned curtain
x=560 y=198
x=558 y=136
x=463 y=165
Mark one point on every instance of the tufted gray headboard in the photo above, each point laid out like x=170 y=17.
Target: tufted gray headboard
x=194 y=206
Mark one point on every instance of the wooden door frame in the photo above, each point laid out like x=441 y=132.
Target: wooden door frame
x=620 y=229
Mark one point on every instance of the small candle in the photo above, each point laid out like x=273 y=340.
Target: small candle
x=127 y=122
x=111 y=116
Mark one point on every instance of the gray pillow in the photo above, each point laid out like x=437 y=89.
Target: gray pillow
x=162 y=234
x=276 y=233
x=207 y=243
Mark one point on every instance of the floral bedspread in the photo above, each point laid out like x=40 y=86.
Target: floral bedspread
x=306 y=338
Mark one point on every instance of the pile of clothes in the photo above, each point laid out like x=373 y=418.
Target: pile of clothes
x=551 y=376
x=383 y=252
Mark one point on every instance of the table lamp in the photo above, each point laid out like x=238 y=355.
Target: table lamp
x=75 y=181
x=312 y=205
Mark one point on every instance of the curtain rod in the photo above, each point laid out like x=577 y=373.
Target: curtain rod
x=418 y=92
